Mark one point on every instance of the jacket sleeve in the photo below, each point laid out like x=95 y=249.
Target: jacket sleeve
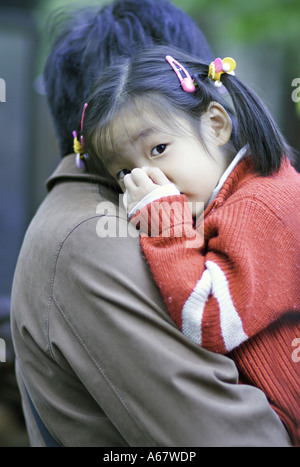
x=211 y=288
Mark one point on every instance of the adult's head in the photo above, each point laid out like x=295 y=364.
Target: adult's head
x=90 y=39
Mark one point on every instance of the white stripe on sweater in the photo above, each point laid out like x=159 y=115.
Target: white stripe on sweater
x=213 y=281
x=193 y=308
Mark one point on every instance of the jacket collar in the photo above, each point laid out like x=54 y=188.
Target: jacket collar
x=68 y=170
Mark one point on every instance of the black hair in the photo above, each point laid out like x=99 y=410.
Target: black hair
x=88 y=40
x=148 y=75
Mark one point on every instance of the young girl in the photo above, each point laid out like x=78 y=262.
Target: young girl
x=174 y=144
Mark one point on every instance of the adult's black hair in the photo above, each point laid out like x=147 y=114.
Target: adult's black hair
x=88 y=39
x=146 y=84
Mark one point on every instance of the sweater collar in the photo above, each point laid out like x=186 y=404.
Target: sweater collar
x=237 y=159
x=240 y=170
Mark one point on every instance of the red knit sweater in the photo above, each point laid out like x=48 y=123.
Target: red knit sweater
x=237 y=290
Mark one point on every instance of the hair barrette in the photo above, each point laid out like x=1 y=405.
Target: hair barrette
x=187 y=83
x=79 y=145
x=218 y=67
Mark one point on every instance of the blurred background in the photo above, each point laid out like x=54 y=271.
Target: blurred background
x=263 y=37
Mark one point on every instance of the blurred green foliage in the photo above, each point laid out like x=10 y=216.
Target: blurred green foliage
x=250 y=21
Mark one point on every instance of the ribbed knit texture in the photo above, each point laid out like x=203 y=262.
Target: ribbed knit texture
x=236 y=291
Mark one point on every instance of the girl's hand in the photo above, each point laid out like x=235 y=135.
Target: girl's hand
x=140 y=182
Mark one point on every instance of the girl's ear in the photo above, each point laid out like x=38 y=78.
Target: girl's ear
x=219 y=122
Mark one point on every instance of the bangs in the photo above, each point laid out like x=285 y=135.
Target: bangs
x=151 y=110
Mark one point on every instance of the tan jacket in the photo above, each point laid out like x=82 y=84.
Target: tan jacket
x=102 y=360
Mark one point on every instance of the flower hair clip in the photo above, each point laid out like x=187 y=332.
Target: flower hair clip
x=79 y=145
x=218 y=67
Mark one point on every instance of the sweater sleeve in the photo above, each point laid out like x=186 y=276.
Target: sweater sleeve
x=225 y=289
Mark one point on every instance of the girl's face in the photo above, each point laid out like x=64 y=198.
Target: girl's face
x=180 y=155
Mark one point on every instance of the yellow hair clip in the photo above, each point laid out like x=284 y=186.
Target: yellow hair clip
x=78 y=146
x=79 y=151
x=218 y=67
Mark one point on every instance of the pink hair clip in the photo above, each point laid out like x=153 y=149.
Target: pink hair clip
x=83 y=114
x=187 y=83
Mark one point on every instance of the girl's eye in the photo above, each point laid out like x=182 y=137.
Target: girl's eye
x=121 y=174
x=158 y=150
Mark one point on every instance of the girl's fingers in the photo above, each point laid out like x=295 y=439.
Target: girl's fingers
x=137 y=185
x=140 y=182
x=156 y=175
x=129 y=183
x=140 y=178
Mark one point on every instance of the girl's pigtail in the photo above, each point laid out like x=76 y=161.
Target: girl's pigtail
x=256 y=127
